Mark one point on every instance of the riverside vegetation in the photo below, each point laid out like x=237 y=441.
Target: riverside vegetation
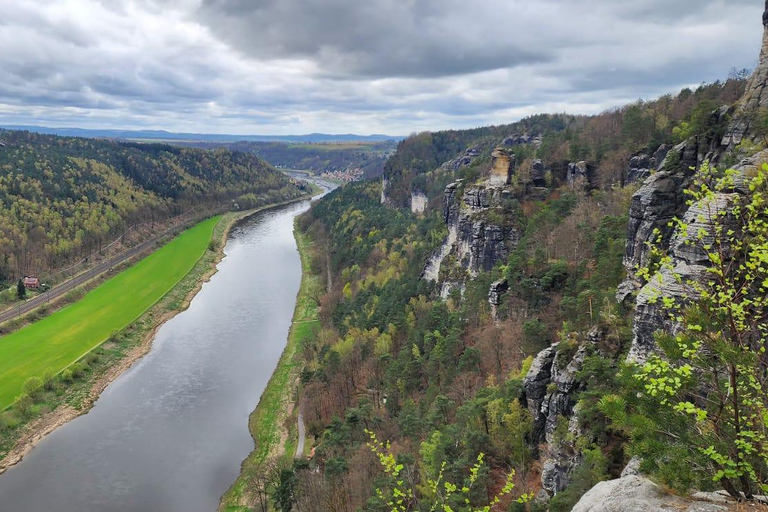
x=519 y=317
x=273 y=423
x=112 y=325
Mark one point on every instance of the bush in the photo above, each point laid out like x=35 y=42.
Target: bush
x=32 y=387
x=24 y=404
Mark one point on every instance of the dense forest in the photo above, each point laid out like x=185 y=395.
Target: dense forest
x=63 y=198
x=607 y=141
x=366 y=157
x=418 y=394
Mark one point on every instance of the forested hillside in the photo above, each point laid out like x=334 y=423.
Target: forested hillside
x=62 y=198
x=365 y=159
x=483 y=301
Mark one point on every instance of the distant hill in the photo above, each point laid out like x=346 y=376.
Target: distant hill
x=210 y=137
x=61 y=198
x=347 y=161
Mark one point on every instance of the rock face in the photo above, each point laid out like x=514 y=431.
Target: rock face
x=640 y=167
x=655 y=204
x=637 y=494
x=689 y=261
x=579 y=174
x=419 y=202
x=480 y=233
x=538 y=174
x=549 y=392
x=517 y=140
x=384 y=186
x=502 y=166
x=535 y=387
x=495 y=295
x=755 y=96
x=462 y=161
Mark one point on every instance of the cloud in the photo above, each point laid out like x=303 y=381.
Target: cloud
x=292 y=66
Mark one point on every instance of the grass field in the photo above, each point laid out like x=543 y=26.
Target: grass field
x=62 y=338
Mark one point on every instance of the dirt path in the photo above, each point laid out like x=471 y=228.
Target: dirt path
x=300 y=444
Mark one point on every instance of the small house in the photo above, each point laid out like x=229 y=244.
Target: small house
x=31 y=283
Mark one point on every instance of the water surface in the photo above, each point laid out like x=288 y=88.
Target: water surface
x=169 y=435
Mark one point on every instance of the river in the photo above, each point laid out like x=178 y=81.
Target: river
x=169 y=434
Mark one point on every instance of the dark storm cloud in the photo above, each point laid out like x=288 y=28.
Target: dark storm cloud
x=380 y=38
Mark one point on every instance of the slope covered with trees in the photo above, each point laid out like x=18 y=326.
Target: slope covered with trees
x=62 y=198
x=528 y=376
x=367 y=158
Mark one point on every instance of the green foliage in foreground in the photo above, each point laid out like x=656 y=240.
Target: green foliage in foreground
x=698 y=412
x=59 y=340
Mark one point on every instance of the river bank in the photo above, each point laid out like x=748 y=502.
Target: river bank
x=273 y=424
x=113 y=357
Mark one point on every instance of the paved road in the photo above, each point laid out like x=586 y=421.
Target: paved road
x=81 y=279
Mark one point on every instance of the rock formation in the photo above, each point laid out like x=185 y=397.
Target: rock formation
x=462 y=161
x=502 y=166
x=517 y=140
x=419 y=201
x=495 y=295
x=480 y=231
x=755 y=99
x=579 y=174
x=538 y=174
x=549 y=392
x=689 y=260
x=635 y=493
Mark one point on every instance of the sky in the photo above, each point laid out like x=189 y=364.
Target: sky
x=355 y=66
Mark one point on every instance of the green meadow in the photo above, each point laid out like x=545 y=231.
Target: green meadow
x=65 y=336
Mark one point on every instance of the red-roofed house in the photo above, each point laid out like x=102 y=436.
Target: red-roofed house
x=32 y=283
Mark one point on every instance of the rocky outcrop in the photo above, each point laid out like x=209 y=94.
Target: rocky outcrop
x=482 y=245
x=419 y=201
x=535 y=387
x=642 y=164
x=640 y=167
x=538 y=174
x=462 y=161
x=495 y=294
x=579 y=175
x=755 y=96
x=384 y=186
x=480 y=231
x=689 y=261
x=518 y=140
x=637 y=494
x=559 y=463
x=502 y=167
x=657 y=202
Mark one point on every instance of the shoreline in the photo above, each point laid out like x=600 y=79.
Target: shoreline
x=157 y=315
x=273 y=423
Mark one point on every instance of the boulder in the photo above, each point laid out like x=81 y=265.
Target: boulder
x=632 y=467
x=637 y=494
